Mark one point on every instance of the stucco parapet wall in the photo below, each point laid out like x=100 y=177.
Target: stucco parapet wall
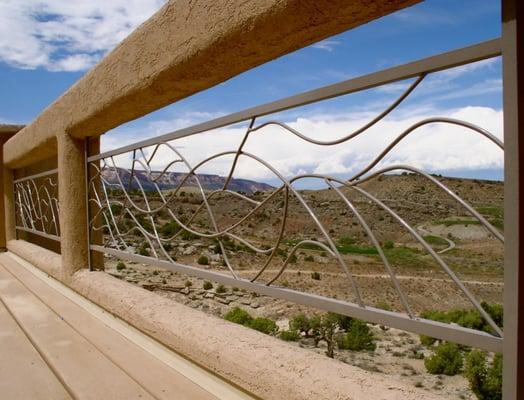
x=264 y=366
x=186 y=47
x=46 y=260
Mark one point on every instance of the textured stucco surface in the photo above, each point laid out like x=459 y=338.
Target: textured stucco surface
x=44 y=259
x=7 y=223
x=262 y=365
x=186 y=47
x=73 y=205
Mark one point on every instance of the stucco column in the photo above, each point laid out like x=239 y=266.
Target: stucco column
x=73 y=207
x=7 y=217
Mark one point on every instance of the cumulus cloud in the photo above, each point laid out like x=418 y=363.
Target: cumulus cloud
x=65 y=35
x=435 y=147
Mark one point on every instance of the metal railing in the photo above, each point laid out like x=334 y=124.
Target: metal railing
x=127 y=201
x=36 y=204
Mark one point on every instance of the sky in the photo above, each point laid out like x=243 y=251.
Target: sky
x=47 y=45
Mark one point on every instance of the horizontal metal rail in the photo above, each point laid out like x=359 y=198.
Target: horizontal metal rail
x=36 y=176
x=39 y=233
x=454 y=333
x=455 y=58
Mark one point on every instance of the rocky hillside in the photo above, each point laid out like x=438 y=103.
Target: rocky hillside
x=171 y=180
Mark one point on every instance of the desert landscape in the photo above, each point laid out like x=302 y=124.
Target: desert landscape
x=461 y=241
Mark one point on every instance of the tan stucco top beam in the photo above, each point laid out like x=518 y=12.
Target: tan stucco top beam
x=7 y=130
x=184 y=48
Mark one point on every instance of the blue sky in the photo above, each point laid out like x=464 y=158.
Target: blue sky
x=59 y=54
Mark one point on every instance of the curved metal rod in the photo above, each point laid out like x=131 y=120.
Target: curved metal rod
x=448 y=191
x=427 y=121
x=435 y=256
x=377 y=245
x=293 y=251
x=149 y=211
x=353 y=134
x=279 y=238
x=317 y=222
x=417 y=236
x=237 y=155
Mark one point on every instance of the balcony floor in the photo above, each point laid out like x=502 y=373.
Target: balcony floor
x=55 y=344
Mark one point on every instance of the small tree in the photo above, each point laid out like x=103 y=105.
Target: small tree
x=358 y=337
x=301 y=324
x=446 y=360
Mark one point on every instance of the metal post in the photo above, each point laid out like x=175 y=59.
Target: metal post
x=513 y=370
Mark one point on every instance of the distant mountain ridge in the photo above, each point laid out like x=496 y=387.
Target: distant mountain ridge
x=171 y=180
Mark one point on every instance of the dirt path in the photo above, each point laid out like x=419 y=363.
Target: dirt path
x=381 y=276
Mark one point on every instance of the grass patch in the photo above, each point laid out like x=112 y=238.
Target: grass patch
x=405 y=257
x=435 y=240
x=491 y=211
x=308 y=246
x=348 y=245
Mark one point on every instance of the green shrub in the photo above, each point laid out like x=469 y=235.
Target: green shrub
x=300 y=323
x=466 y=318
x=264 y=325
x=238 y=316
x=495 y=311
x=143 y=251
x=389 y=245
x=169 y=228
x=315 y=275
x=309 y=258
x=203 y=260
x=447 y=360
x=221 y=289
x=289 y=336
x=188 y=283
x=427 y=340
x=207 y=285
x=120 y=266
x=358 y=337
x=484 y=380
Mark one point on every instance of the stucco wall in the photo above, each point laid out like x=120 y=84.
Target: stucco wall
x=184 y=48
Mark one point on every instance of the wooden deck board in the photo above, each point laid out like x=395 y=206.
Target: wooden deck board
x=50 y=346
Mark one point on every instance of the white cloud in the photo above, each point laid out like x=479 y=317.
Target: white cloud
x=65 y=35
x=436 y=147
x=327 y=45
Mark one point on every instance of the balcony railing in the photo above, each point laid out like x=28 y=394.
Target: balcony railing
x=129 y=205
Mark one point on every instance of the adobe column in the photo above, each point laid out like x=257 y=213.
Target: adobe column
x=73 y=207
x=7 y=201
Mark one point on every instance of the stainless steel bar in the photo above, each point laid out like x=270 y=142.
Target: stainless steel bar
x=421 y=326
x=39 y=175
x=39 y=233
x=513 y=105
x=481 y=51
